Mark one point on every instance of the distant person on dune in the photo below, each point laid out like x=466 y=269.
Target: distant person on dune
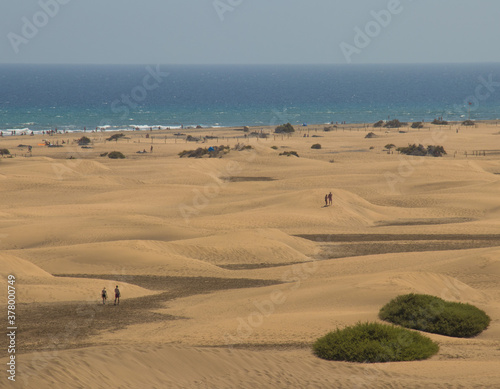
x=326 y=200
x=330 y=198
x=117 y=295
x=104 y=295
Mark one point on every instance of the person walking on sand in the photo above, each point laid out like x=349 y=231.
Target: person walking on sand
x=117 y=295
x=330 y=198
x=326 y=200
x=104 y=295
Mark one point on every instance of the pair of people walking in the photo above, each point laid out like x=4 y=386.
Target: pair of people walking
x=328 y=199
x=104 y=295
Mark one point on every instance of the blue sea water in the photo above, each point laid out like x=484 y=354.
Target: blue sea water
x=71 y=97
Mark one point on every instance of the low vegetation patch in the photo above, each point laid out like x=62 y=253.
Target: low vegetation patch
x=432 y=314
x=421 y=151
x=374 y=342
x=468 y=123
x=370 y=135
x=83 y=141
x=116 y=155
x=191 y=138
x=4 y=152
x=417 y=125
x=389 y=146
x=289 y=153
x=440 y=122
x=284 y=128
x=115 y=137
x=208 y=152
x=241 y=147
x=395 y=123
x=274 y=147
x=316 y=146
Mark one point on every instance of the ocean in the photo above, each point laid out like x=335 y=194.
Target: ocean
x=122 y=97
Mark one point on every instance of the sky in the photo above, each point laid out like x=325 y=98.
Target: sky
x=249 y=31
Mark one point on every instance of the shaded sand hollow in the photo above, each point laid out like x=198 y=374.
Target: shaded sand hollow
x=230 y=268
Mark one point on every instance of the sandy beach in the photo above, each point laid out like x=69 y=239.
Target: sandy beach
x=230 y=268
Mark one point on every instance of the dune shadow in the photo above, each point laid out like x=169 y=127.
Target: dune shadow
x=65 y=325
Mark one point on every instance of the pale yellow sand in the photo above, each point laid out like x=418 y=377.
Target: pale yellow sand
x=160 y=215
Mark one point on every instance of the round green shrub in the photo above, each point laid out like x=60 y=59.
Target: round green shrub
x=116 y=155
x=284 y=128
x=83 y=141
x=432 y=314
x=374 y=342
x=316 y=146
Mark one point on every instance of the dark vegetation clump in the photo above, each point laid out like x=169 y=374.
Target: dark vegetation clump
x=274 y=147
x=417 y=125
x=241 y=147
x=289 y=153
x=103 y=154
x=4 y=152
x=468 y=123
x=374 y=342
x=316 y=146
x=210 y=152
x=440 y=122
x=83 y=141
x=191 y=138
x=389 y=146
x=421 y=151
x=370 y=135
x=263 y=135
x=115 y=137
x=395 y=123
x=435 y=315
x=116 y=155
x=379 y=124
x=284 y=128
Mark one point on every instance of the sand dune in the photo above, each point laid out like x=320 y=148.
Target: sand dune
x=36 y=285
x=230 y=268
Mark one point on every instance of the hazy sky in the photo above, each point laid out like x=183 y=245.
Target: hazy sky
x=249 y=31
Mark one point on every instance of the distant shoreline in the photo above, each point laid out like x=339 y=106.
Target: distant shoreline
x=27 y=131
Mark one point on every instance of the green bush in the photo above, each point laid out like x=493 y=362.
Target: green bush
x=468 y=123
x=395 y=123
x=289 y=153
x=4 y=152
x=432 y=314
x=83 y=141
x=421 y=151
x=374 y=342
x=115 y=137
x=274 y=147
x=284 y=128
x=116 y=155
x=417 y=125
x=440 y=122
x=210 y=152
x=389 y=146
x=316 y=146
x=380 y=123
